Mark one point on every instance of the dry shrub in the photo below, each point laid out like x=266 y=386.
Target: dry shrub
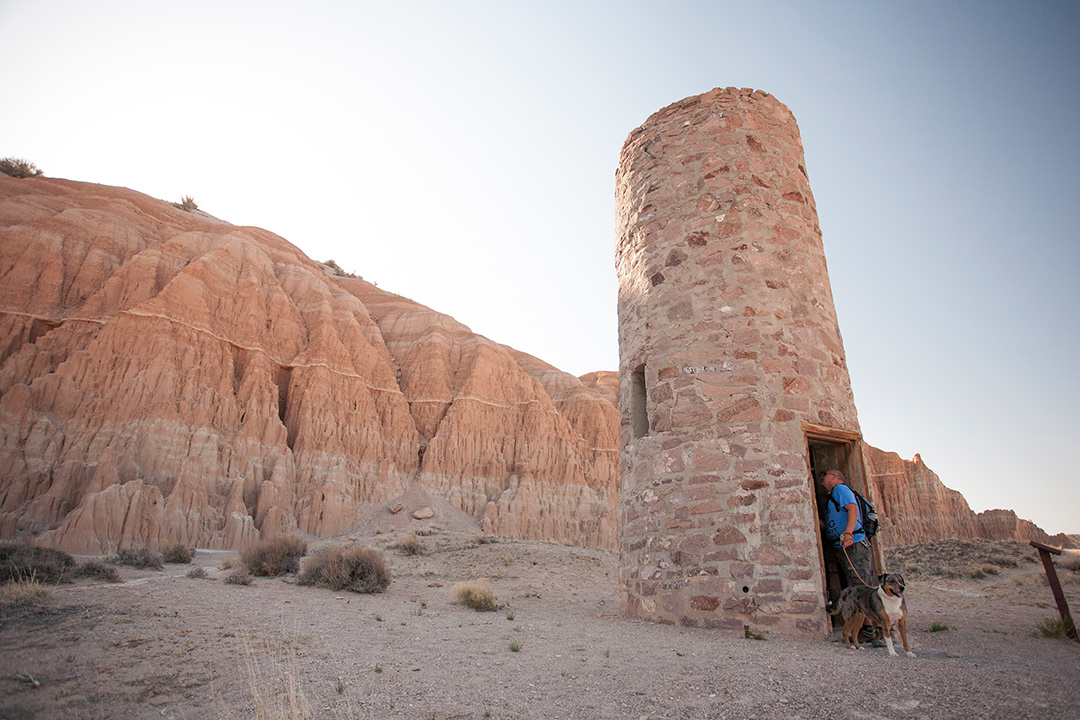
x=99 y=571
x=409 y=545
x=22 y=592
x=1070 y=561
x=187 y=203
x=197 y=573
x=239 y=576
x=359 y=569
x=274 y=556
x=979 y=571
x=45 y=565
x=178 y=554
x=142 y=558
x=18 y=168
x=1035 y=580
x=476 y=594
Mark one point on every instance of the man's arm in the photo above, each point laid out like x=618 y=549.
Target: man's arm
x=847 y=538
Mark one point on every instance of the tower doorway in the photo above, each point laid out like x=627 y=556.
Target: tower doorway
x=827 y=449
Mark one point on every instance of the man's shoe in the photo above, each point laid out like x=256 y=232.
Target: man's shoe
x=878 y=643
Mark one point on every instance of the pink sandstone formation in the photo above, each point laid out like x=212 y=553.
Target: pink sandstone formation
x=168 y=378
x=916 y=507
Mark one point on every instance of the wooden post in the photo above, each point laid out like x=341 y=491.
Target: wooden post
x=1051 y=575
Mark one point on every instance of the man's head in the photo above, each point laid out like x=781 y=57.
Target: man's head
x=831 y=479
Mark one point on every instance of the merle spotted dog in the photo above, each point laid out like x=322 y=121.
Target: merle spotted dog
x=884 y=606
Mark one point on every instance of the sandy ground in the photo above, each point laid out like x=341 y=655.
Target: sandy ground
x=161 y=644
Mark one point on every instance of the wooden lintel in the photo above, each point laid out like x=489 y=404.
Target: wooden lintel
x=824 y=432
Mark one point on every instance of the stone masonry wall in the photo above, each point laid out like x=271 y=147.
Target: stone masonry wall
x=727 y=325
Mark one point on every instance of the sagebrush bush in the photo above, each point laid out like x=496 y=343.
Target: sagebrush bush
x=476 y=594
x=46 y=565
x=143 y=558
x=19 y=168
x=178 y=554
x=99 y=571
x=197 y=573
x=359 y=569
x=273 y=556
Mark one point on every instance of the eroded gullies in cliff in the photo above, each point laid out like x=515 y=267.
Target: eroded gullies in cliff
x=206 y=383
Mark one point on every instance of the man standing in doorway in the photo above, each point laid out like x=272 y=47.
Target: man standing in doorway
x=848 y=544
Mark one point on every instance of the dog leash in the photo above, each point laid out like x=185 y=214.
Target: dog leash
x=872 y=587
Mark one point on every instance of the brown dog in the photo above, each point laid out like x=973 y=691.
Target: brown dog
x=883 y=606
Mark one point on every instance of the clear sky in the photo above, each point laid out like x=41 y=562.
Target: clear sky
x=463 y=154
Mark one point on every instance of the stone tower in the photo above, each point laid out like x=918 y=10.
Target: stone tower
x=734 y=385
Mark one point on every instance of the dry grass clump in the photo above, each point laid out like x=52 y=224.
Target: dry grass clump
x=273 y=556
x=476 y=594
x=275 y=684
x=239 y=576
x=1054 y=627
x=143 y=558
x=978 y=571
x=22 y=592
x=178 y=554
x=18 y=168
x=409 y=545
x=98 y=571
x=197 y=573
x=46 y=565
x=359 y=569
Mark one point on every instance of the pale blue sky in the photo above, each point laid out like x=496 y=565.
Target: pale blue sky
x=463 y=154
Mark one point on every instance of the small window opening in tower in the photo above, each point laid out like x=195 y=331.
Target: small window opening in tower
x=639 y=415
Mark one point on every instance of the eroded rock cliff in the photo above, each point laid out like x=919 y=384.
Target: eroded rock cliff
x=169 y=378
x=915 y=507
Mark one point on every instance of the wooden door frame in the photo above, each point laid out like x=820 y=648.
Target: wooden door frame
x=857 y=476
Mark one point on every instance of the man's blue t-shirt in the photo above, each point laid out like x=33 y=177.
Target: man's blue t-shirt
x=836 y=515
